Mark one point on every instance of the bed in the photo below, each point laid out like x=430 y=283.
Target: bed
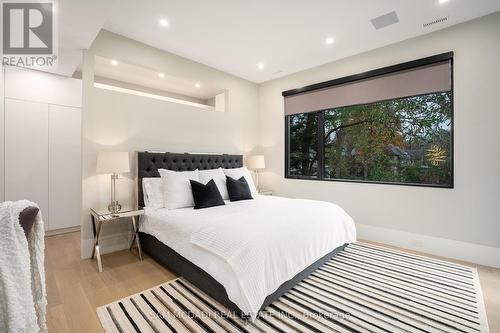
x=244 y=254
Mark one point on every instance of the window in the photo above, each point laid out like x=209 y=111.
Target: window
x=304 y=144
x=397 y=140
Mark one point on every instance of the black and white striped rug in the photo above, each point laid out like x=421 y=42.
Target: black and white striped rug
x=364 y=288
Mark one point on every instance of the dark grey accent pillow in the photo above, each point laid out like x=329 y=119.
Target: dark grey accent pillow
x=238 y=189
x=206 y=196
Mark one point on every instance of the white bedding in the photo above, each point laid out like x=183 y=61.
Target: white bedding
x=251 y=247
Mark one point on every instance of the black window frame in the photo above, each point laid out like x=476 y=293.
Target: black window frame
x=448 y=56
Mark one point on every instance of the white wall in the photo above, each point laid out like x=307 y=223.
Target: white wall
x=120 y=122
x=471 y=211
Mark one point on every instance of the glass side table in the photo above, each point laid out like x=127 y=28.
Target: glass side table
x=102 y=216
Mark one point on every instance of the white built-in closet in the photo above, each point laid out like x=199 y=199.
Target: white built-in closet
x=42 y=144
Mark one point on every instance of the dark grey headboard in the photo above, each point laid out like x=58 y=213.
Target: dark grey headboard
x=148 y=164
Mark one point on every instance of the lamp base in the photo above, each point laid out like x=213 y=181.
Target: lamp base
x=257 y=180
x=114 y=207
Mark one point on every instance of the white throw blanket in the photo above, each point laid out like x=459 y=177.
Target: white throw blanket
x=22 y=275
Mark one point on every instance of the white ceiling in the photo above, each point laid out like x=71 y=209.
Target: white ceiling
x=79 y=22
x=285 y=35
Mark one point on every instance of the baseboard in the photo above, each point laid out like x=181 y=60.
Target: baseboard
x=49 y=233
x=108 y=244
x=470 y=252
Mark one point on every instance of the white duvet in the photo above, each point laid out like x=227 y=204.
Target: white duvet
x=251 y=247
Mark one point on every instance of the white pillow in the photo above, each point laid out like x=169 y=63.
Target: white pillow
x=177 y=188
x=219 y=178
x=152 y=190
x=242 y=172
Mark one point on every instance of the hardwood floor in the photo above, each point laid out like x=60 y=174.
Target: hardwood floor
x=75 y=288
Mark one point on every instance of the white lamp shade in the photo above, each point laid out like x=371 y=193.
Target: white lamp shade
x=256 y=162
x=112 y=162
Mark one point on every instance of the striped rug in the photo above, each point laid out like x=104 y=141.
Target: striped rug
x=365 y=288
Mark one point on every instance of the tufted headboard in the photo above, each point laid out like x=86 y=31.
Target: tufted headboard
x=148 y=164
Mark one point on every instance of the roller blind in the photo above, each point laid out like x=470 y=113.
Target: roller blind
x=431 y=78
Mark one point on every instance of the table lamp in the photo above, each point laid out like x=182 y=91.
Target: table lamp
x=256 y=163
x=113 y=163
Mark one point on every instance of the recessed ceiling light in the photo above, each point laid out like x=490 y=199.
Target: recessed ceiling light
x=197 y=85
x=260 y=65
x=329 y=40
x=114 y=62
x=163 y=22
x=161 y=75
x=443 y=1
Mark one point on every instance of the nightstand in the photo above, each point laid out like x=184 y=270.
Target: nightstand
x=103 y=216
x=265 y=192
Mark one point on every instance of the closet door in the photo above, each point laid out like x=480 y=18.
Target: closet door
x=64 y=166
x=26 y=153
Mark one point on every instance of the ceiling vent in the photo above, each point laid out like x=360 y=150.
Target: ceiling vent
x=385 y=20
x=436 y=21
